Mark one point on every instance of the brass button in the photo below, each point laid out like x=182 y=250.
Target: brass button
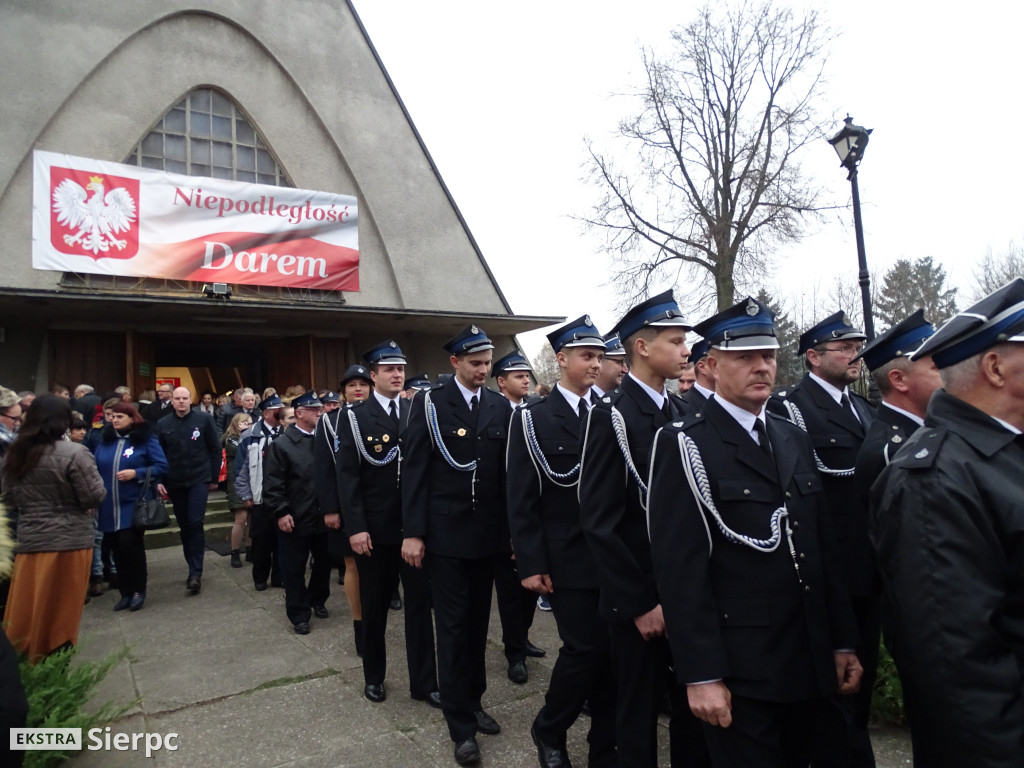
x=803 y=556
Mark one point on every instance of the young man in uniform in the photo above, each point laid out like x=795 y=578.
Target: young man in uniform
x=453 y=513
x=551 y=552
x=368 y=459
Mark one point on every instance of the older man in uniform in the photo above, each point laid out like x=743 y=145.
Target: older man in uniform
x=906 y=387
x=453 y=514
x=368 y=459
x=613 y=366
x=755 y=609
x=837 y=419
x=948 y=524
x=551 y=552
x=704 y=383
x=612 y=491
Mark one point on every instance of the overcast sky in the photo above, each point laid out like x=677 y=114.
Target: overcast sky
x=504 y=96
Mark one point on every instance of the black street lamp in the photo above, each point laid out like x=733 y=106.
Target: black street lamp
x=849 y=144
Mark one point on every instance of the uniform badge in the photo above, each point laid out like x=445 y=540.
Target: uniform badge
x=386 y=438
x=474 y=330
x=752 y=308
x=369 y=438
x=586 y=320
x=378 y=448
x=677 y=424
x=921 y=454
x=897 y=439
x=607 y=400
x=461 y=432
x=393 y=344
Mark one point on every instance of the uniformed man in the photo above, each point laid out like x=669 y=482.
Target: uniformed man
x=516 y=604
x=704 y=384
x=948 y=524
x=414 y=385
x=453 y=513
x=687 y=378
x=290 y=497
x=755 y=609
x=368 y=461
x=551 y=553
x=906 y=386
x=837 y=420
x=613 y=367
x=613 y=503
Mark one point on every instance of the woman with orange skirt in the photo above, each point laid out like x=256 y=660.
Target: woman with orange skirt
x=54 y=486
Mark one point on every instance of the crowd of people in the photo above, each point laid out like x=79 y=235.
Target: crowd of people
x=727 y=552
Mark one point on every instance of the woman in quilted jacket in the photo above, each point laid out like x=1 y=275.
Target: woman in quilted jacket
x=55 y=487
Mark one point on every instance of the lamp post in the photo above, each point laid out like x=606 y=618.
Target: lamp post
x=849 y=144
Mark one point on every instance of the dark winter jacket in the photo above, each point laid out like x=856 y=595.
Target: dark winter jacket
x=192 y=449
x=288 y=487
x=140 y=450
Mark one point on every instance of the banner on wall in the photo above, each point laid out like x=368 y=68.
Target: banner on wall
x=95 y=217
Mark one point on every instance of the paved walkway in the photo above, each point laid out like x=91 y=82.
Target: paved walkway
x=226 y=673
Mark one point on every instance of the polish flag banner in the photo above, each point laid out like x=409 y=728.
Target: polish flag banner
x=96 y=217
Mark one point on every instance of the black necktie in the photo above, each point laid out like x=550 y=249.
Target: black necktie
x=393 y=410
x=472 y=405
x=762 y=436
x=666 y=408
x=845 y=402
x=582 y=409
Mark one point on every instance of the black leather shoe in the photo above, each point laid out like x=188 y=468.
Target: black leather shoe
x=517 y=672
x=549 y=756
x=486 y=724
x=433 y=698
x=396 y=603
x=320 y=611
x=260 y=586
x=375 y=693
x=534 y=651
x=302 y=628
x=193 y=585
x=467 y=752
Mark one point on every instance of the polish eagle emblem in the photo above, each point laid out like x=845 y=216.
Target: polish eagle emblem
x=97 y=219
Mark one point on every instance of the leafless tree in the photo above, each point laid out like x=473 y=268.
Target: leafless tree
x=996 y=270
x=716 y=185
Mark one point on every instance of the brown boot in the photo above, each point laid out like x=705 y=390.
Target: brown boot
x=95 y=586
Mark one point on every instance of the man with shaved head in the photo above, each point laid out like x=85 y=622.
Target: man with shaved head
x=189 y=439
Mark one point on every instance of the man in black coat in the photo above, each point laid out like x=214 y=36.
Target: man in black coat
x=755 y=609
x=158 y=408
x=290 y=498
x=837 y=420
x=453 y=514
x=704 y=386
x=552 y=556
x=948 y=524
x=613 y=504
x=194 y=454
x=613 y=367
x=905 y=385
x=368 y=458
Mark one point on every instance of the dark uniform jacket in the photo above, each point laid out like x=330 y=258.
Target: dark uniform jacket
x=439 y=503
x=370 y=497
x=288 y=481
x=612 y=509
x=887 y=434
x=837 y=437
x=326 y=441
x=693 y=400
x=731 y=612
x=192 y=448
x=948 y=524
x=544 y=518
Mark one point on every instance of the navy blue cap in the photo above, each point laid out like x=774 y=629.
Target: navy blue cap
x=996 y=318
x=468 y=341
x=270 y=403
x=748 y=324
x=832 y=328
x=330 y=396
x=613 y=346
x=660 y=310
x=419 y=381
x=355 y=372
x=899 y=341
x=307 y=400
x=444 y=378
x=386 y=353
x=510 y=362
x=576 y=333
x=699 y=351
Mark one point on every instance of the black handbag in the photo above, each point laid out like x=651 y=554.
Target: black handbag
x=150 y=513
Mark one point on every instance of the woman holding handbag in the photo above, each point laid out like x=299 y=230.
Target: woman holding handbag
x=131 y=462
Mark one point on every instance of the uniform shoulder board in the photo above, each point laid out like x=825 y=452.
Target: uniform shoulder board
x=609 y=399
x=921 y=452
x=357 y=404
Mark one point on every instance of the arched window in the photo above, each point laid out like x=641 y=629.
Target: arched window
x=206 y=134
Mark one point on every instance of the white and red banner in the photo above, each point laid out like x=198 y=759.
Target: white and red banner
x=96 y=217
